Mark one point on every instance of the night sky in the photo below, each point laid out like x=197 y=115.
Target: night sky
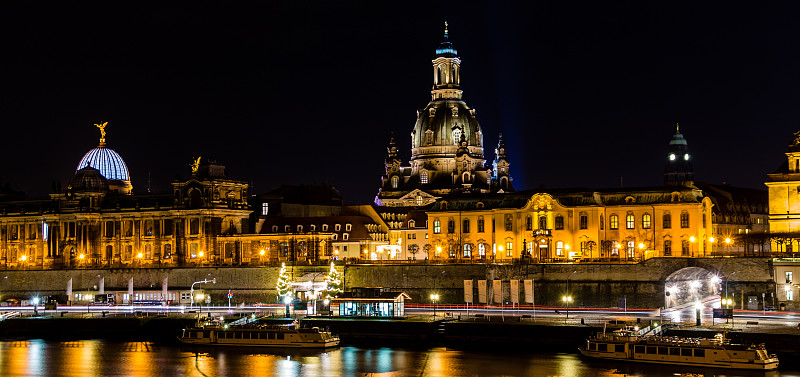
x=307 y=92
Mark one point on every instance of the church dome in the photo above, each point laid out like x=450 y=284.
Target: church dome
x=88 y=179
x=108 y=162
x=443 y=122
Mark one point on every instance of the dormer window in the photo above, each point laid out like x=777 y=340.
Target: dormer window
x=412 y=224
x=348 y=227
x=455 y=111
x=274 y=229
x=264 y=209
x=299 y=229
x=395 y=181
x=419 y=200
x=345 y=236
x=338 y=227
x=423 y=177
x=313 y=227
x=287 y=228
x=324 y=227
x=432 y=111
x=456 y=135
x=334 y=236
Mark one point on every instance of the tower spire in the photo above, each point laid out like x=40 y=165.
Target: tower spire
x=677 y=127
x=445 y=30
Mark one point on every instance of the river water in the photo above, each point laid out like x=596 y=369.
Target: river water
x=104 y=358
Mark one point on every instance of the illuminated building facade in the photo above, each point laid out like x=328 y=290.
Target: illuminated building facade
x=446 y=146
x=563 y=225
x=784 y=200
x=97 y=222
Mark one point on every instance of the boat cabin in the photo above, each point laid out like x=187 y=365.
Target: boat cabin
x=371 y=302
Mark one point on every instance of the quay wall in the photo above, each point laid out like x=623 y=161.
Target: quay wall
x=596 y=285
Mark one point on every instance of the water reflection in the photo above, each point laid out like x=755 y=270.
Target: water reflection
x=93 y=357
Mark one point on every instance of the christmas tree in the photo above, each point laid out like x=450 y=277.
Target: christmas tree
x=284 y=286
x=334 y=280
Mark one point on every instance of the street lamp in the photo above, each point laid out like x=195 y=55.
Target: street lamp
x=191 y=289
x=35 y=306
x=438 y=251
x=691 y=250
x=698 y=308
x=434 y=298
x=567 y=300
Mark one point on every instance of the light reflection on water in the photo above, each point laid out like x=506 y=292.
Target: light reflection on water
x=101 y=358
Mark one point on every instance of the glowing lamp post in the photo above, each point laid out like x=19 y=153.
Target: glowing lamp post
x=35 y=306
x=698 y=307
x=567 y=300
x=692 y=239
x=434 y=298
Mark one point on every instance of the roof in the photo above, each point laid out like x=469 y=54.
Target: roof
x=358 y=230
x=572 y=197
x=107 y=161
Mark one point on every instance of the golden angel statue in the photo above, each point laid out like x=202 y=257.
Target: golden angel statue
x=102 y=128
x=195 y=165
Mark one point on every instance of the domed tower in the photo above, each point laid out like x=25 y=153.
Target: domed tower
x=109 y=163
x=446 y=142
x=679 y=170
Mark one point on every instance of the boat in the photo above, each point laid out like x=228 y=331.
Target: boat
x=258 y=335
x=645 y=346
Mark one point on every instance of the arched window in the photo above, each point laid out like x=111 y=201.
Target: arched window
x=528 y=223
x=613 y=222
x=467 y=250
x=630 y=221
x=602 y=223
x=481 y=224
x=559 y=223
x=148 y=251
x=481 y=250
x=646 y=221
x=465 y=226
x=423 y=177
x=684 y=219
x=395 y=181
x=504 y=182
x=419 y=200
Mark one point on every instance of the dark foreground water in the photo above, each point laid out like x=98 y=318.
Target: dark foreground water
x=102 y=358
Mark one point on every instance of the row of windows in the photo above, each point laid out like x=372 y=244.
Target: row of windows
x=313 y=228
x=583 y=223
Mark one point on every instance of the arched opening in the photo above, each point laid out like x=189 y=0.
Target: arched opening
x=690 y=285
x=195 y=199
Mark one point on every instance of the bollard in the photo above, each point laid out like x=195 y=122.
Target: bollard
x=582 y=323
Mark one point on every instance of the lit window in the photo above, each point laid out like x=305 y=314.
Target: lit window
x=481 y=249
x=264 y=209
x=437 y=226
x=419 y=200
x=613 y=222
x=423 y=177
x=395 y=181
x=788 y=277
x=672 y=156
x=509 y=248
x=467 y=250
x=629 y=221
x=646 y=221
x=686 y=157
x=631 y=249
x=560 y=248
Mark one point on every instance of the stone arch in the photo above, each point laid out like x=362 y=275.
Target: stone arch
x=689 y=285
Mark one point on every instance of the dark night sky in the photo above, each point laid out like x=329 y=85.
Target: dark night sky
x=306 y=92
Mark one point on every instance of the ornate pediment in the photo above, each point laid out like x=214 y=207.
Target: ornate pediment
x=541 y=202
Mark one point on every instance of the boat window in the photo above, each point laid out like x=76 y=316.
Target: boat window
x=686 y=352
x=206 y=334
x=699 y=353
x=619 y=348
x=262 y=335
x=592 y=346
x=675 y=351
x=638 y=349
x=272 y=335
x=662 y=350
x=280 y=335
x=238 y=335
x=651 y=350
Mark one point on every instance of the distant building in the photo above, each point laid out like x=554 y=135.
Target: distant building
x=98 y=222
x=784 y=201
x=371 y=302
x=446 y=146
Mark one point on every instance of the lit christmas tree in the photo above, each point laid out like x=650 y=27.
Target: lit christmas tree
x=334 y=280
x=284 y=286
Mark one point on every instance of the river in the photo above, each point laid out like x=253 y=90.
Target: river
x=104 y=358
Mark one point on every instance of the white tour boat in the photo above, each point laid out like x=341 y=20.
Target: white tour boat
x=637 y=346
x=255 y=335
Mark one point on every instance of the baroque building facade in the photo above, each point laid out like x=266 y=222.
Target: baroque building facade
x=446 y=146
x=98 y=222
